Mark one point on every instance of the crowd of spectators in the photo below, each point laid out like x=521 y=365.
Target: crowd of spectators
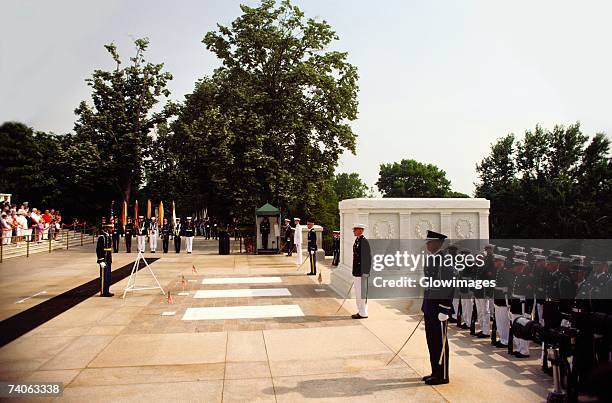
x=23 y=223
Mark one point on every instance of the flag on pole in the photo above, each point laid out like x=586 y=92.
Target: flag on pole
x=160 y=213
x=173 y=213
x=136 y=211
x=112 y=213
x=124 y=214
x=148 y=208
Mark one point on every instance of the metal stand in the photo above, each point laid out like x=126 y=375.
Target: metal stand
x=131 y=284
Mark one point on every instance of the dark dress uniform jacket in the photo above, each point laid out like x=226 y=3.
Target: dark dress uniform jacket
x=362 y=257
x=103 y=248
x=288 y=233
x=312 y=240
x=437 y=300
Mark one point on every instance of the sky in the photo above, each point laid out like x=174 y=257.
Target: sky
x=439 y=82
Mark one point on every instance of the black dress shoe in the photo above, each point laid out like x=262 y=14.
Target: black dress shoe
x=110 y=294
x=427 y=377
x=499 y=344
x=481 y=335
x=436 y=381
x=310 y=274
x=464 y=326
x=519 y=355
x=357 y=316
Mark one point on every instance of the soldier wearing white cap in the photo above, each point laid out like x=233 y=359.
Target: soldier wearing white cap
x=153 y=234
x=297 y=240
x=143 y=231
x=189 y=234
x=362 y=261
x=502 y=320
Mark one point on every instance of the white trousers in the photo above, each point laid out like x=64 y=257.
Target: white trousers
x=484 y=315
x=142 y=242
x=466 y=308
x=189 y=243
x=540 y=308
x=299 y=258
x=153 y=241
x=362 y=305
x=455 y=307
x=502 y=323
x=520 y=345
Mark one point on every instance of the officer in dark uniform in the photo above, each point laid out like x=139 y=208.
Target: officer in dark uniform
x=166 y=231
x=312 y=247
x=336 y=248
x=264 y=230
x=362 y=264
x=128 y=233
x=437 y=306
x=177 y=231
x=189 y=232
x=116 y=235
x=288 y=237
x=104 y=252
x=207 y=228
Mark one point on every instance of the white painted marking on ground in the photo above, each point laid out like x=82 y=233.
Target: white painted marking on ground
x=320 y=290
x=242 y=312
x=243 y=293
x=168 y=313
x=21 y=301
x=192 y=281
x=183 y=293
x=241 y=280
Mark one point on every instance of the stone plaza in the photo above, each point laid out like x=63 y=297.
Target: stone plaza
x=240 y=328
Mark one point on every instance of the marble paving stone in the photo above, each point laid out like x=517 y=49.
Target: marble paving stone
x=149 y=374
x=243 y=293
x=241 y=280
x=243 y=312
x=29 y=353
x=79 y=353
x=248 y=390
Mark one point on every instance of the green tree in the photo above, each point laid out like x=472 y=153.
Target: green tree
x=120 y=120
x=272 y=121
x=350 y=186
x=410 y=178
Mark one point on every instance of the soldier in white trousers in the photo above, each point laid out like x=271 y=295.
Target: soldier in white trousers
x=297 y=241
x=153 y=234
x=142 y=233
x=362 y=262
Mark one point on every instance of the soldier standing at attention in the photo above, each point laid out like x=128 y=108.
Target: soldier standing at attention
x=189 y=234
x=129 y=233
x=297 y=240
x=288 y=237
x=143 y=231
x=116 y=235
x=362 y=262
x=166 y=230
x=153 y=233
x=312 y=247
x=437 y=302
x=336 y=248
x=177 y=231
x=104 y=252
x=264 y=230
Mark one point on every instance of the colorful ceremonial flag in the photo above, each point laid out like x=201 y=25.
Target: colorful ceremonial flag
x=160 y=213
x=148 y=208
x=136 y=212
x=124 y=214
x=173 y=213
x=112 y=213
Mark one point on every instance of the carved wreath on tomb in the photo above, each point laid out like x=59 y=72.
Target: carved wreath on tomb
x=421 y=228
x=464 y=228
x=390 y=230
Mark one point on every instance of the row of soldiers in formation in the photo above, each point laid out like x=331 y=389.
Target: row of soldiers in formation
x=149 y=228
x=541 y=285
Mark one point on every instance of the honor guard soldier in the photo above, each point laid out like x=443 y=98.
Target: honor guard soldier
x=483 y=297
x=264 y=230
x=288 y=237
x=177 y=232
x=143 y=231
x=521 y=302
x=297 y=240
x=153 y=233
x=312 y=248
x=336 y=248
x=104 y=252
x=129 y=233
x=189 y=234
x=466 y=295
x=166 y=231
x=362 y=263
x=207 y=228
x=116 y=235
x=436 y=309
x=500 y=301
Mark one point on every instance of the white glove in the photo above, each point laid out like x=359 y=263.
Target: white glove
x=442 y=317
x=102 y=265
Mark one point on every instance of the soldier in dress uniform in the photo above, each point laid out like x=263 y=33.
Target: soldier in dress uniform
x=312 y=247
x=153 y=234
x=466 y=295
x=336 y=248
x=264 y=230
x=362 y=263
x=500 y=300
x=104 y=252
x=177 y=231
x=436 y=308
x=116 y=235
x=129 y=233
x=297 y=240
x=521 y=302
x=207 y=228
x=483 y=296
x=166 y=231
x=142 y=233
x=189 y=234
x=288 y=237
